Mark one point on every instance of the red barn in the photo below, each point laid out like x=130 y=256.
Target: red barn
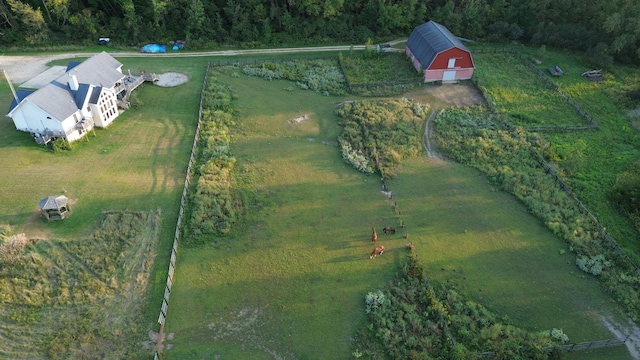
x=440 y=55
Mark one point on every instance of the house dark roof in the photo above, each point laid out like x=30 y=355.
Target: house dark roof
x=429 y=39
x=60 y=102
x=72 y=64
x=21 y=94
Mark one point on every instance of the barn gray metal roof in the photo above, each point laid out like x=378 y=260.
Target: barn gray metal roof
x=429 y=39
x=53 y=202
x=60 y=102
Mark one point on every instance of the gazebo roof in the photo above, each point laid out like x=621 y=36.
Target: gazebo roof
x=53 y=202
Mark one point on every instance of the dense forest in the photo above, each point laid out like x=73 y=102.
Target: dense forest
x=606 y=29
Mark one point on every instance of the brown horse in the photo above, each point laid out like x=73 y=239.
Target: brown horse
x=374 y=236
x=389 y=230
x=377 y=251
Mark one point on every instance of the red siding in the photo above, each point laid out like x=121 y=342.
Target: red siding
x=436 y=75
x=463 y=59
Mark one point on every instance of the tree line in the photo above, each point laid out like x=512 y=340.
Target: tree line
x=606 y=29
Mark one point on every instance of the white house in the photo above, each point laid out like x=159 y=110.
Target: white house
x=85 y=96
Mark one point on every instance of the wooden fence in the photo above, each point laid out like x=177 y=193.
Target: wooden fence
x=593 y=125
x=587 y=345
x=176 y=239
x=583 y=208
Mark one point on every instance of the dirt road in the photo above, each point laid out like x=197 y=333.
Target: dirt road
x=23 y=68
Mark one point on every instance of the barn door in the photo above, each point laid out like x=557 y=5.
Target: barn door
x=449 y=75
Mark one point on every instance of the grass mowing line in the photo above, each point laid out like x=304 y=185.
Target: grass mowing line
x=134 y=165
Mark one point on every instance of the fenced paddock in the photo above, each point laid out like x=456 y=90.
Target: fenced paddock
x=337 y=246
x=551 y=89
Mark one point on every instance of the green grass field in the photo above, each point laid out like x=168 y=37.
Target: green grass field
x=521 y=94
x=138 y=163
x=290 y=281
x=589 y=161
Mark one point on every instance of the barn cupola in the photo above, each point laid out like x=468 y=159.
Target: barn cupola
x=72 y=80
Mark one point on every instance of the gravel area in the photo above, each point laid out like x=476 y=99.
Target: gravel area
x=170 y=79
x=21 y=69
x=26 y=69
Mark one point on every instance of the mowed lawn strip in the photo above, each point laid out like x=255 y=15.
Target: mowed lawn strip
x=486 y=243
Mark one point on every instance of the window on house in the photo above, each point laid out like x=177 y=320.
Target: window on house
x=452 y=63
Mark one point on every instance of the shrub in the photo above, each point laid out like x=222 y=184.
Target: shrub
x=380 y=133
x=408 y=320
x=592 y=265
x=559 y=335
x=212 y=208
x=59 y=145
x=374 y=301
x=355 y=158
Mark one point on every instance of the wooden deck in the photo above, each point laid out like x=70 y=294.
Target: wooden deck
x=132 y=82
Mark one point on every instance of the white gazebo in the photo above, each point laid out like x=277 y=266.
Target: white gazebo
x=54 y=207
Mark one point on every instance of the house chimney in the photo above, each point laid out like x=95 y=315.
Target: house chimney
x=73 y=82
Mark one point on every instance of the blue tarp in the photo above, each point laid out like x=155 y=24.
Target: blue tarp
x=153 y=48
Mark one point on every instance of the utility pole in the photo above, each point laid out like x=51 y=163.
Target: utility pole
x=13 y=91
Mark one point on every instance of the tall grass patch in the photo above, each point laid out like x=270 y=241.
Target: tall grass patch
x=372 y=67
x=520 y=94
x=80 y=298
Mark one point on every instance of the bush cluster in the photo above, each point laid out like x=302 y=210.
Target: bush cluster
x=509 y=157
x=374 y=300
x=377 y=135
x=592 y=265
x=60 y=145
x=212 y=206
x=410 y=320
x=320 y=75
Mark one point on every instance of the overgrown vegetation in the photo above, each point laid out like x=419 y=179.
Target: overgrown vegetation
x=515 y=91
x=626 y=193
x=412 y=320
x=370 y=66
x=212 y=206
x=320 y=75
x=370 y=73
x=507 y=155
x=80 y=298
x=60 y=145
x=377 y=135
x=590 y=162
